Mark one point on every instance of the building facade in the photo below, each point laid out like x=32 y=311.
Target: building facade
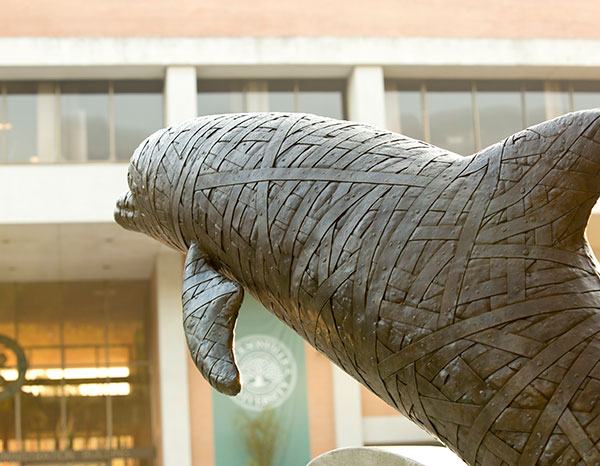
x=93 y=363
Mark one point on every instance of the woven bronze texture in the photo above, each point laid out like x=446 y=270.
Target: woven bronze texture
x=461 y=290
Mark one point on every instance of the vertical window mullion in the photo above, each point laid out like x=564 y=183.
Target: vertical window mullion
x=58 y=126
x=111 y=122
x=426 y=128
x=3 y=125
x=18 y=422
x=548 y=88
x=108 y=405
x=476 y=122
x=523 y=107
x=571 y=91
x=391 y=107
x=18 y=416
x=296 y=96
x=63 y=399
x=553 y=96
x=256 y=97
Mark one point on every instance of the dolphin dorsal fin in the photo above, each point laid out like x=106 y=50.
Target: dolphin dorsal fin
x=211 y=303
x=548 y=182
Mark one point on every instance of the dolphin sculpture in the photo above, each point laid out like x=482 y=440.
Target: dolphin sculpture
x=460 y=290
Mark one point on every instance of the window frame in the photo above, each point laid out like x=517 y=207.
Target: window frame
x=57 y=124
x=545 y=86
x=296 y=86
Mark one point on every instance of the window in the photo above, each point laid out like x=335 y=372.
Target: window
x=77 y=121
x=19 y=122
x=586 y=94
x=534 y=103
x=465 y=116
x=137 y=113
x=84 y=121
x=500 y=108
x=321 y=97
x=216 y=97
x=404 y=109
x=87 y=383
x=450 y=109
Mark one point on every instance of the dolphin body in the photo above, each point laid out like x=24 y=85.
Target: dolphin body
x=460 y=290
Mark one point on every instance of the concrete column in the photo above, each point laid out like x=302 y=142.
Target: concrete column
x=46 y=123
x=173 y=400
x=366 y=96
x=256 y=97
x=347 y=410
x=366 y=104
x=555 y=99
x=173 y=417
x=181 y=101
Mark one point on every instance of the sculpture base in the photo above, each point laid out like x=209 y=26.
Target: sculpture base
x=357 y=456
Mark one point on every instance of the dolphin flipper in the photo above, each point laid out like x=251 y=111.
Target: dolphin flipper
x=211 y=304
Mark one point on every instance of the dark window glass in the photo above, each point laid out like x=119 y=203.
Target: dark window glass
x=131 y=421
x=557 y=99
x=7 y=309
x=404 y=109
x=7 y=425
x=83 y=325
x=42 y=416
x=282 y=96
x=7 y=367
x=39 y=334
x=535 y=103
x=450 y=109
x=127 y=306
x=500 y=110
x=84 y=110
x=91 y=126
x=86 y=419
x=321 y=97
x=21 y=123
x=138 y=111
x=586 y=95
x=216 y=97
x=88 y=375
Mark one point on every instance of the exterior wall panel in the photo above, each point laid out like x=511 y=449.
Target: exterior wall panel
x=262 y=18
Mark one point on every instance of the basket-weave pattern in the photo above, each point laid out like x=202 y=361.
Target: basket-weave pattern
x=460 y=290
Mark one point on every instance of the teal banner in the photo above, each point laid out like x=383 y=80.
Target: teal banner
x=267 y=423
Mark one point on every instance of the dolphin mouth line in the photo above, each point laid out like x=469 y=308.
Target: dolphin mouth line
x=125 y=213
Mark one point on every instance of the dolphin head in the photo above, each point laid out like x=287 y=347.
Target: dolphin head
x=145 y=207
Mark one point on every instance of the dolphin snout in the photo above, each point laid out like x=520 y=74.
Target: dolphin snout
x=125 y=212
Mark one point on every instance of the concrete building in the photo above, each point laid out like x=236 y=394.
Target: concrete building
x=96 y=309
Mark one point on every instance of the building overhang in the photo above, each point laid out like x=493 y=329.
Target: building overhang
x=275 y=57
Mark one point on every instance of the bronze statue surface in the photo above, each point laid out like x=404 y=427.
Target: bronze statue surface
x=461 y=290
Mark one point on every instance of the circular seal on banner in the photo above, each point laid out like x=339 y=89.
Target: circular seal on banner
x=8 y=389
x=268 y=372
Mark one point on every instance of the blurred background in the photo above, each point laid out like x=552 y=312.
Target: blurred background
x=93 y=364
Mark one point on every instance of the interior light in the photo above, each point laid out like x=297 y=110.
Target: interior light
x=84 y=389
x=95 y=372
x=104 y=389
x=9 y=374
x=455 y=139
x=34 y=159
x=69 y=373
x=5 y=126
